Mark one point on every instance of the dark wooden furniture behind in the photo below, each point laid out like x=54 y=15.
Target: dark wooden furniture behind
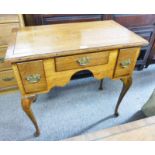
x=44 y=19
x=144 y=26
x=141 y=24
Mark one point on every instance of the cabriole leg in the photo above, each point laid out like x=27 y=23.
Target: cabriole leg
x=127 y=81
x=26 y=105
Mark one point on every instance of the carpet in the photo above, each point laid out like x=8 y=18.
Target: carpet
x=75 y=109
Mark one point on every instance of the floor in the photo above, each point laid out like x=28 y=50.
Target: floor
x=75 y=109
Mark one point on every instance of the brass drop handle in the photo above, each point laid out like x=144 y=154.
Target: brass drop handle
x=33 y=78
x=83 y=61
x=8 y=79
x=1 y=59
x=125 y=63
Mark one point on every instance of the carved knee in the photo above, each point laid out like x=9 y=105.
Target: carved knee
x=26 y=104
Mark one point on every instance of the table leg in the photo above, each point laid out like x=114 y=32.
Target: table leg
x=127 y=81
x=26 y=105
x=101 y=85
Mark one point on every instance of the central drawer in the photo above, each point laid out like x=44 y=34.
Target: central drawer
x=81 y=61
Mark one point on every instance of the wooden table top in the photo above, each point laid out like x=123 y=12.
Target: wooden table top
x=141 y=130
x=62 y=39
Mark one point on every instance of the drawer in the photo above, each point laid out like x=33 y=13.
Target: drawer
x=33 y=76
x=126 y=61
x=7 y=79
x=4 y=65
x=81 y=61
x=5 y=32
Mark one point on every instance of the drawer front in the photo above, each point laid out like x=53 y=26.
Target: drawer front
x=5 y=32
x=126 y=61
x=7 y=79
x=81 y=61
x=33 y=76
x=4 y=65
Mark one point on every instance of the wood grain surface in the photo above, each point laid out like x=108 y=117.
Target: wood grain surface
x=57 y=40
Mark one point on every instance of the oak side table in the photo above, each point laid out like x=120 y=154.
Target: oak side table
x=43 y=57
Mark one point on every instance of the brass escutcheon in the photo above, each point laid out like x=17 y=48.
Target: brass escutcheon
x=125 y=63
x=83 y=61
x=34 y=78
